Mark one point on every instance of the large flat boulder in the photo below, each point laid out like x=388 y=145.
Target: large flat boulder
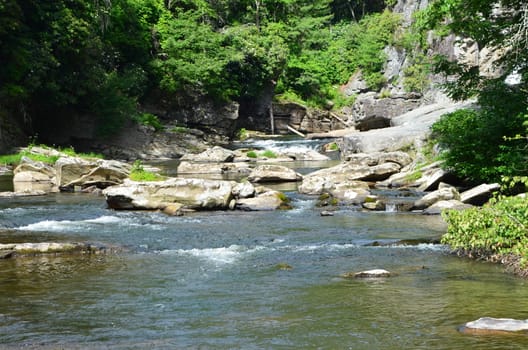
x=480 y=194
x=273 y=173
x=192 y=193
x=215 y=154
x=409 y=129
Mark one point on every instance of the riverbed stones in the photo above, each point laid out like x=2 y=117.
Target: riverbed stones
x=273 y=173
x=495 y=325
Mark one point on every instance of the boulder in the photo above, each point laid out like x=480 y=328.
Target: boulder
x=480 y=194
x=495 y=325
x=243 y=190
x=375 y=273
x=409 y=129
x=191 y=193
x=31 y=181
x=273 y=173
x=270 y=200
x=442 y=205
x=444 y=193
x=186 y=167
x=11 y=249
x=26 y=164
x=304 y=154
x=215 y=154
x=72 y=172
x=401 y=158
x=431 y=178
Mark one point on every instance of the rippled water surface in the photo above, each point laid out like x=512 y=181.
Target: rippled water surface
x=212 y=280
x=216 y=280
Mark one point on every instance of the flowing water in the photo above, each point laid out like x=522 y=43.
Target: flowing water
x=243 y=280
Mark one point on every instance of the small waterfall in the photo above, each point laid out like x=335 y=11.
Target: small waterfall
x=391 y=207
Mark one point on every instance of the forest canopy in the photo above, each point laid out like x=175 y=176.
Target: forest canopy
x=103 y=58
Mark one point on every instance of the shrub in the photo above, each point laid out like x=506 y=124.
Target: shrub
x=498 y=227
x=252 y=154
x=138 y=173
x=268 y=154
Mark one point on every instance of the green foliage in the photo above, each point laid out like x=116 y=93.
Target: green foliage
x=138 y=173
x=499 y=227
x=268 y=154
x=474 y=141
x=242 y=134
x=149 y=120
x=252 y=154
x=179 y=129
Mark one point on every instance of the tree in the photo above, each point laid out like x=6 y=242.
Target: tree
x=488 y=143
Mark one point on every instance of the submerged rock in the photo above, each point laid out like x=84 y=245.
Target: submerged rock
x=13 y=249
x=495 y=325
x=372 y=273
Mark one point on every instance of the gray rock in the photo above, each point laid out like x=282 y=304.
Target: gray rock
x=215 y=154
x=270 y=200
x=442 y=205
x=376 y=158
x=493 y=325
x=409 y=129
x=186 y=167
x=444 y=193
x=31 y=181
x=273 y=173
x=480 y=194
x=192 y=193
x=375 y=273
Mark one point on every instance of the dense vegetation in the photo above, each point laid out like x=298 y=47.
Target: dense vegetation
x=105 y=58
x=489 y=143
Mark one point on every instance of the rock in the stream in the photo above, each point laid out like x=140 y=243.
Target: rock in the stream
x=72 y=172
x=444 y=193
x=440 y=206
x=11 y=249
x=186 y=167
x=215 y=154
x=495 y=325
x=273 y=173
x=192 y=193
x=270 y=200
x=375 y=273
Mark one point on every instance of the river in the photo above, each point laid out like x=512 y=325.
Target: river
x=243 y=280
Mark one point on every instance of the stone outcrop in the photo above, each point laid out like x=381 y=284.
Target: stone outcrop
x=452 y=204
x=407 y=130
